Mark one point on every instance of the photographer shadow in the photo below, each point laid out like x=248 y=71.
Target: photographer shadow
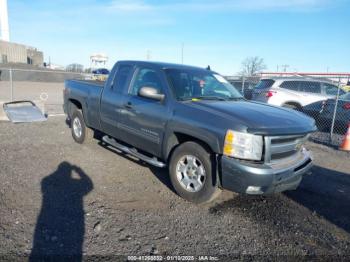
x=60 y=227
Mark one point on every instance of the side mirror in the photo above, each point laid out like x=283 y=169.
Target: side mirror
x=151 y=93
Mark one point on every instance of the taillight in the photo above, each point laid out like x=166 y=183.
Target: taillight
x=346 y=106
x=269 y=94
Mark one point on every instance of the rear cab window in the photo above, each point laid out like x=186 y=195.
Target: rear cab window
x=121 y=77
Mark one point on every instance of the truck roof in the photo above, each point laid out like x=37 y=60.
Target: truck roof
x=161 y=65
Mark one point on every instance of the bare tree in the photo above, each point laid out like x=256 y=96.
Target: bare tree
x=252 y=65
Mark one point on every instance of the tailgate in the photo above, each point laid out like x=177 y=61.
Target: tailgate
x=261 y=89
x=260 y=95
x=23 y=112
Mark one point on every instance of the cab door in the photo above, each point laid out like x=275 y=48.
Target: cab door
x=112 y=100
x=144 y=119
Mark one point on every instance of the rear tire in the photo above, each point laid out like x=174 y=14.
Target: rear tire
x=80 y=132
x=192 y=172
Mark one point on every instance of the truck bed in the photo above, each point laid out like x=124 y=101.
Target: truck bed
x=91 y=82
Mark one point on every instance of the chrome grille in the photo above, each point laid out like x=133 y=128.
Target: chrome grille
x=278 y=148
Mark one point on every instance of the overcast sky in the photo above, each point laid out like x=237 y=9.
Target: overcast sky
x=308 y=35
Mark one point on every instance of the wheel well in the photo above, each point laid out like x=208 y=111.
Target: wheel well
x=73 y=103
x=296 y=104
x=180 y=138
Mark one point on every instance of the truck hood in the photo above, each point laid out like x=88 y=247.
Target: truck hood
x=259 y=118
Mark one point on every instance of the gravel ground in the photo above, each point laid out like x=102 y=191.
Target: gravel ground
x=58 y=197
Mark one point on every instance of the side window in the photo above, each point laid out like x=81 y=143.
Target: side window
x=146 y=77
x=249 y=85
x=290 y=85
x=332 y=90
x=237 y=85
x=121 y=77
x=310 y=87
x=182 y=86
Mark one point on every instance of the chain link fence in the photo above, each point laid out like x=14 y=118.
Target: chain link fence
x=44 y=87
x=245 y=85
x=324 y=97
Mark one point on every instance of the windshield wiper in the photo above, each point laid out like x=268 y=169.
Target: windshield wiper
x=209 y=98
x=236 y=98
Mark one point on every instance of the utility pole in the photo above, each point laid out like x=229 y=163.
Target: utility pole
x=284 y=67
x=182 y=53
x=148 y=55
x=4 y=21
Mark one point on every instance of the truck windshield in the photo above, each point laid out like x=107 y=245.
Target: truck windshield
x=189 y=84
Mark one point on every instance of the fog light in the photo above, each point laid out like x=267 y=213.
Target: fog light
x=254 y=190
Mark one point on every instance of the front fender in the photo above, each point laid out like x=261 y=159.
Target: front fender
x=211 y=139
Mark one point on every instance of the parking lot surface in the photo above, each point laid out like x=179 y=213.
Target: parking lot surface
x=58 y=197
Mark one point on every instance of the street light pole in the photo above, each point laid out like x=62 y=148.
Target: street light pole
x=182 y=53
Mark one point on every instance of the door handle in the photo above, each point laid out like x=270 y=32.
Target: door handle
x=128 y=105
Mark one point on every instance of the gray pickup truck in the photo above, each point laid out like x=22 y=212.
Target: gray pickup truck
x=194 y=122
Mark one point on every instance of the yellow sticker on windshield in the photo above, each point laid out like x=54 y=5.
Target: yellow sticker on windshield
x=195 y=99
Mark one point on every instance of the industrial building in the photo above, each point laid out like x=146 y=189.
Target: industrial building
x=18 y=53
x=13 y=52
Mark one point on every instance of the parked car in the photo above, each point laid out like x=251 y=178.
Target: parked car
x=194 y=122
x=246 y=90
x=295 y=93
x=314 y=109
x=342 y=116
x=346 y=88
x=100 y=74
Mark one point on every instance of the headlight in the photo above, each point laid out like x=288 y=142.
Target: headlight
x=243 y=145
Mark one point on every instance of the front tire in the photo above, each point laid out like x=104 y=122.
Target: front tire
x=192 y=172
x=80 y=132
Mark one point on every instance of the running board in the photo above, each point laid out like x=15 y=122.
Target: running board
x=132 y=151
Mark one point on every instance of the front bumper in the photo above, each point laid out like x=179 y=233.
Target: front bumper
x=245 y=177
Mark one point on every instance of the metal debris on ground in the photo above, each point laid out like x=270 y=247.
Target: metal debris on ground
x=23 y=112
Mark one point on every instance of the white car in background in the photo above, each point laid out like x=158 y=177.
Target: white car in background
x=294 y=92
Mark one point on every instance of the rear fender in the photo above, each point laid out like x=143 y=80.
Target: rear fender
x=76 y=103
